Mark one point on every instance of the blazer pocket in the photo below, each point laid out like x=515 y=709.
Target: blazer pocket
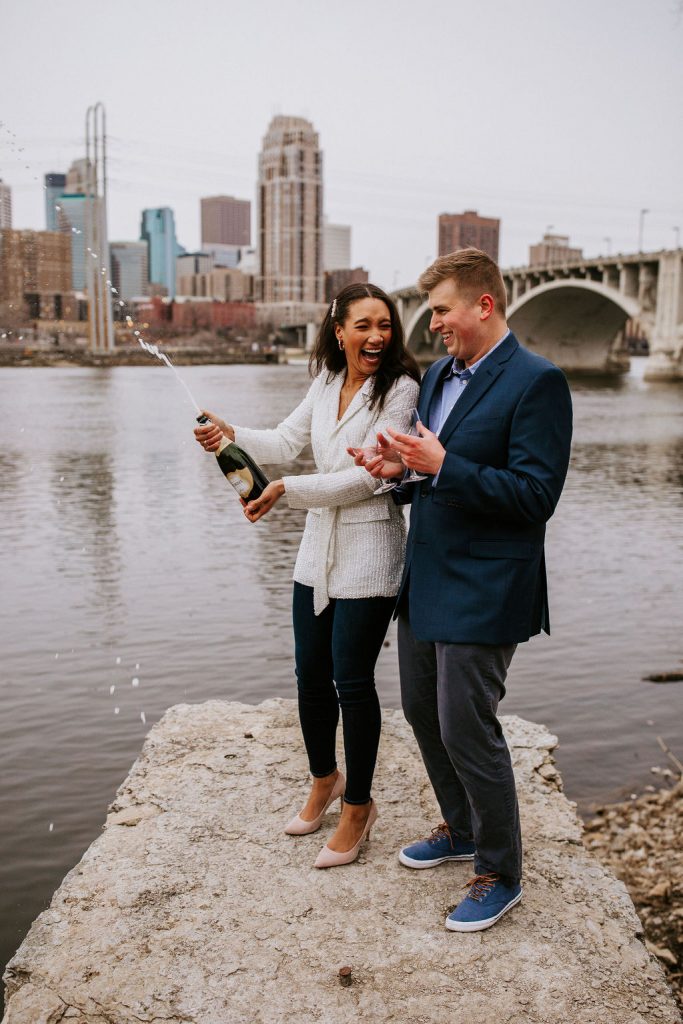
x=501 y=549
x=365 y=512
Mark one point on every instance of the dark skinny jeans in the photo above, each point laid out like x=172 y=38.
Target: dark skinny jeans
x=339 y=648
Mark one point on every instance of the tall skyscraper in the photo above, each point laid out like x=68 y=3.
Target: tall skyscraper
x=77 y=177
x=129 y=269
x=70 y=209
x=158 y=230
x=290 y=204
x=462 y=230
x=5 y=205
x=55 y=186
x=226 y=228
x=336 y=246
x=225 y=221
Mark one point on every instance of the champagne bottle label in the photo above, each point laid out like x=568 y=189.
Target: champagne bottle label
x=242 y=481
x=240 y=470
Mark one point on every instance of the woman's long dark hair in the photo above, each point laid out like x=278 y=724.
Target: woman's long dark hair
x=396 y=360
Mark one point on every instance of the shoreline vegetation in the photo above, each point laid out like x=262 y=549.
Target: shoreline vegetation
x=639 y=840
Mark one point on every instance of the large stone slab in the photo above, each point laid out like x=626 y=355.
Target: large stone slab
x=194 y=908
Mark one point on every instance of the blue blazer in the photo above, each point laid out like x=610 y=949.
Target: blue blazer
x=475 y=566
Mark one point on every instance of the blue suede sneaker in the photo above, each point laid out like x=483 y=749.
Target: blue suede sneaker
x=486 y=902
x=441 y=846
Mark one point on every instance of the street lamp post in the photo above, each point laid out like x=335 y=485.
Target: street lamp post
x=641 y=221
x=608 y=242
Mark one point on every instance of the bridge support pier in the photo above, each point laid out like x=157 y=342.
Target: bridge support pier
x=666 y=348
x=664 y=366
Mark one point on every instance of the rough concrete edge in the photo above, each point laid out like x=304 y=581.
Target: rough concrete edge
x=23 y=994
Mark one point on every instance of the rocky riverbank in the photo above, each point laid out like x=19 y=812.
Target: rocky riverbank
x=194 y=908
x=640 y=840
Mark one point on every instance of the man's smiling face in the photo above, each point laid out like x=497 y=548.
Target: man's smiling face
x=458 y=319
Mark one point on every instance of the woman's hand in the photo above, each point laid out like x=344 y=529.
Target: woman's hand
x=209 y=434
x=382 y=461
x=258 y=508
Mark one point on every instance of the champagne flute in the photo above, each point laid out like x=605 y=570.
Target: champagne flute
x=371 y=452
x=412 y=475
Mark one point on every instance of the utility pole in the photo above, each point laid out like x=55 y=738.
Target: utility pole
x=97 y=267
x=641 y=221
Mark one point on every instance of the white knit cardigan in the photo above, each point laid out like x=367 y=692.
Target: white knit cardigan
x=354 y=541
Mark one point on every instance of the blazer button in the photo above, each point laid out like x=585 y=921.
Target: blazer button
x=424 y=491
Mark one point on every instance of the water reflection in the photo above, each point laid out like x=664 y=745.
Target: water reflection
x=655 y=467
x=83 y=500
x=10 y=473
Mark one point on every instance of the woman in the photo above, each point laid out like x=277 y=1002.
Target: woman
x=349 y=565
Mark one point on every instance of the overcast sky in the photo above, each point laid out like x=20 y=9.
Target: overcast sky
x=538 y=112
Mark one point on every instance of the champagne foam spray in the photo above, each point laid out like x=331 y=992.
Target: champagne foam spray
x=154 y=350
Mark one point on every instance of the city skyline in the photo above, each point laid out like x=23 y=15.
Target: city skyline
x=556 y=119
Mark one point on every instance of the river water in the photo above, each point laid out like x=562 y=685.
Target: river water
x=131 y=581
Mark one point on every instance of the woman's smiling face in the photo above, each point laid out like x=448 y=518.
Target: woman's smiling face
x=365 y=335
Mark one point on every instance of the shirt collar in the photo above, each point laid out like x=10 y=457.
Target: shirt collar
x=458 y=365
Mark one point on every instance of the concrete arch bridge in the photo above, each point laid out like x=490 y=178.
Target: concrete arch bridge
x=576 y=314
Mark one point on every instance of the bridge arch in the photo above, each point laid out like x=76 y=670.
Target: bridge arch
x=424 y=345
x=574 y=322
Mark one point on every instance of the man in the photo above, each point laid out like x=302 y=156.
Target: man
x=494 y=441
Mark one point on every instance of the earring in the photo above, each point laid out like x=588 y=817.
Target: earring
x=341 y=344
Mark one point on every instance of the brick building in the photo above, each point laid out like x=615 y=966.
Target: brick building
x=35 y=271
x=462 y=230
x=335 y=280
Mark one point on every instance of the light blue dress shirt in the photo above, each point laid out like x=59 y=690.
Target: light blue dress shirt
x=452 y=387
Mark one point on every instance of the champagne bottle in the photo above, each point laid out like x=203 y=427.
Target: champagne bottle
x=241 y=471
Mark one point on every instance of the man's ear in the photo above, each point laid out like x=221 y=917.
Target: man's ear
x=487 y=306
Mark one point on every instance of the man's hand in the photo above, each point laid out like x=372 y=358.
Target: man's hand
x=258 y=508
x=381 y=461
x=424 y=453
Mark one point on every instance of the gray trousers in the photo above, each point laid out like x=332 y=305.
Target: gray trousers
x=450 y=695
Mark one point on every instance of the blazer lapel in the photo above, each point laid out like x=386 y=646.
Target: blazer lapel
x=429 y=387
x=359 y=401
x=486 y=374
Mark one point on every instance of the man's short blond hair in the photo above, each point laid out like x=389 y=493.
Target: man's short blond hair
x=474 y=274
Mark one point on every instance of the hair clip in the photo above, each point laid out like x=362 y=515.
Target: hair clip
x=333 y=311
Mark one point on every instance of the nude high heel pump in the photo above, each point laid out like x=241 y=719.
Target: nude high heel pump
x=298 y=827
x=328 y=858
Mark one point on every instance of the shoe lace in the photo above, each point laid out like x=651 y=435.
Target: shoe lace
x=439 y=832
x=481 y=885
